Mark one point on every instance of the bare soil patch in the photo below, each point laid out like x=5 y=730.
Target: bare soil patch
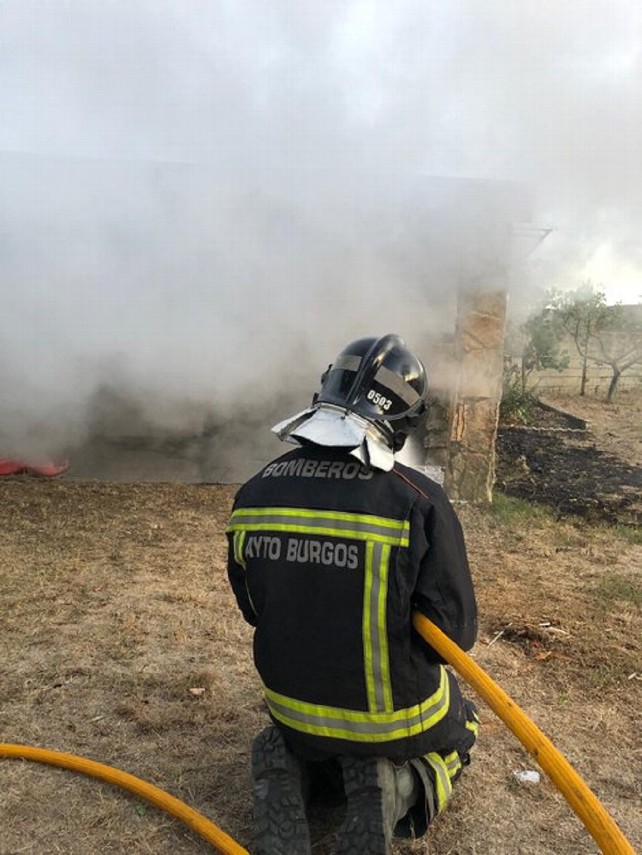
x=115 y=605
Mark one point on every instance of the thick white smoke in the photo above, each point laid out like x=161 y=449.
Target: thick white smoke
x=202 y=202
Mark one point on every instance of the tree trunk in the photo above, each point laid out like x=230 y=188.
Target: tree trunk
x=584 y=379
x=615 y=379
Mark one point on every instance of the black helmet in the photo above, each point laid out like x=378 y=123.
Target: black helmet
x=382 y=381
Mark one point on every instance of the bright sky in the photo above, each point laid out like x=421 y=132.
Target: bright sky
x=621 y=282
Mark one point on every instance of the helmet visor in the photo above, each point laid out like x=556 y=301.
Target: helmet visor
x=386 y=397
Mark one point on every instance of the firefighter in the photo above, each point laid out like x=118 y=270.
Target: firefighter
x=331 y=548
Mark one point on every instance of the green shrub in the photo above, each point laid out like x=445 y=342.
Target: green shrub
x=517 y=406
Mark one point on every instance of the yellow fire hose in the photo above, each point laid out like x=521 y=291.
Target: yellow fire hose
x=598 y=822
x=583 y=801
x=196 y=821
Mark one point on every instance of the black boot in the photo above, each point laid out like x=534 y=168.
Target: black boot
x=378 y=795
x=280 y=825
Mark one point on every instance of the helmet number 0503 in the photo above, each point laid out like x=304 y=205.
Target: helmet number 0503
x=379 y=399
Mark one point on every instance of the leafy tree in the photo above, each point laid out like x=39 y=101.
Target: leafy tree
x=620 y=345
x=603 y=335
x=533 y=345
x=582 y=313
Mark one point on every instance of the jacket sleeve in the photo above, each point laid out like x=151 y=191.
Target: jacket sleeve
x=444 y=590
x=236 y=575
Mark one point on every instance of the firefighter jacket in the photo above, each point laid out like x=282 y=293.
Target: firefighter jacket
x=328 y=560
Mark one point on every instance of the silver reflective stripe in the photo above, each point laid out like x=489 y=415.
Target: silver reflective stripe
x=384 y=376
x=453 y=763
x=359 y=726
x=396 y=385
x=346 y=363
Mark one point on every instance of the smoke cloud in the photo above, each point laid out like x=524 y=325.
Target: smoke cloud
x=203 y=202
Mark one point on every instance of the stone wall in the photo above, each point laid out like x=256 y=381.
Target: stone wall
x=479 y=346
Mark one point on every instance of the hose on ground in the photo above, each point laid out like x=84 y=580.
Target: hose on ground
x=196 y=821
x=582 y=800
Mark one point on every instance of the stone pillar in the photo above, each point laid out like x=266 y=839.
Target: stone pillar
x=479 y=350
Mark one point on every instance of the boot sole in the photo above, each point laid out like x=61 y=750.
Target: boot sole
x=362 y=832
x=280 y=822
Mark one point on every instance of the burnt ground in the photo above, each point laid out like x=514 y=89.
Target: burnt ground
x=556 y=462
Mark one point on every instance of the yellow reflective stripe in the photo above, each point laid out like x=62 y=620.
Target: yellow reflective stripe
x=331 y=523
x=474 y=726
x=380 y=535
x=366 y=628
x=382 y=628
x=443 y=787
x=239 y=542
x=453 y=763
x=313 y=514
x=357 y=725
x=375 y=629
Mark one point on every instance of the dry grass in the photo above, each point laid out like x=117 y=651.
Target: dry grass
x=114 y=604
x=617 y=425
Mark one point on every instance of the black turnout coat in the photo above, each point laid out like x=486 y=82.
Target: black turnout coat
x=328 y=560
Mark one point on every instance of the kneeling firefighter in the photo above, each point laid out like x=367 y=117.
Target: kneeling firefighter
x=331 y=548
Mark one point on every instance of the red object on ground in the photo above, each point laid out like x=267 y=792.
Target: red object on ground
x=11 y=467
x=46 y=469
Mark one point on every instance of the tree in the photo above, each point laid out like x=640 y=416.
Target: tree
x=582 y=314
x=533 y=345
x=619 y=345
x=603 y=335
x=530 y=345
